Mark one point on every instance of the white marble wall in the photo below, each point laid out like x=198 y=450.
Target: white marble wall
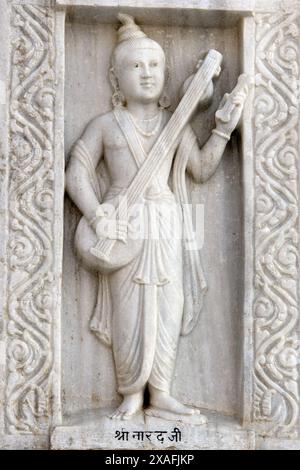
x=209 y=359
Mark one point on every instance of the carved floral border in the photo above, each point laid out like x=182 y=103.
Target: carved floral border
x=31 y=289
x=276 y=264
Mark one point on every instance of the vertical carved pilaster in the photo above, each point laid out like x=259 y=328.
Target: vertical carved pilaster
x=277 y=163
x=31 y=292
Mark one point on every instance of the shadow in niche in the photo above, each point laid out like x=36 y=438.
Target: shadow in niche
x=208 y=370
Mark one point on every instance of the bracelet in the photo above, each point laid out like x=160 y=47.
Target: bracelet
x=98 y=214
x=221 y=134
x=93 y=220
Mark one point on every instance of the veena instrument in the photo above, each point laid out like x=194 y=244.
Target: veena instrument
x=110 y=254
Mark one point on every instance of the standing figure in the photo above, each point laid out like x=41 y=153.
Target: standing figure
x=156 y=294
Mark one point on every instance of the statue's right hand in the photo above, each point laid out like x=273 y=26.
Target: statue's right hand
x=106 y=225
x=111 y=228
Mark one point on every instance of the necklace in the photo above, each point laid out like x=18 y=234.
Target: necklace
x=156 y=127
x=150 y=119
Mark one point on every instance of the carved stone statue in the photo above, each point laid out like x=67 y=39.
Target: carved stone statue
x=132 y=160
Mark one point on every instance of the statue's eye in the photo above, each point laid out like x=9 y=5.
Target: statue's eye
x=136 y=66
x=154 y=64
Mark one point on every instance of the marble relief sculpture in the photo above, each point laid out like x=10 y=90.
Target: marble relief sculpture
x=134 y=160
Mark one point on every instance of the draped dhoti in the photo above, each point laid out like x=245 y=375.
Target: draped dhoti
x=147 y=301
x=143 y=308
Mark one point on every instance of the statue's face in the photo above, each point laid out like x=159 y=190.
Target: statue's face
x=141 y=73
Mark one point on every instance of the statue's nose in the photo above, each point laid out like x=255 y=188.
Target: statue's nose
x=146 y=72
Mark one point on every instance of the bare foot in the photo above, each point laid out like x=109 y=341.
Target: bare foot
x=130 y=406
x=164 y=401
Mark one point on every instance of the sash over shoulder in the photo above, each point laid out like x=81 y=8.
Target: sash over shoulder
x=194 y=282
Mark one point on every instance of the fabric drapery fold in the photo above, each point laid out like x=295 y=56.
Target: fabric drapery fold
x=100 y=322
x=135 y=368
x=150 y=270
x=194 y=281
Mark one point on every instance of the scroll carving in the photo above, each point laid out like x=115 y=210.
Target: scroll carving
x=31 y=290
x=277 y=159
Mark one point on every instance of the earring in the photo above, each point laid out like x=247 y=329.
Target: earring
x=164 y=101
x=117 y=98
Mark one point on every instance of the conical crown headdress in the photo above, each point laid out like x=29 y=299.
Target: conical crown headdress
x=130 y=30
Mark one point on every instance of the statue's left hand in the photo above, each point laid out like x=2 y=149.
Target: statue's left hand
x=235 y=115
x=231 y=107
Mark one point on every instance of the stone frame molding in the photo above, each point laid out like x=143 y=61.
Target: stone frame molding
x=31 y=212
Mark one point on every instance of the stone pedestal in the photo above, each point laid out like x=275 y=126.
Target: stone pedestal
x=95 y=430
